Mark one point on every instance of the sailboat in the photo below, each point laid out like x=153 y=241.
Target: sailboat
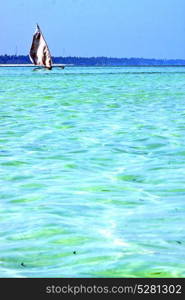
x=39 y=52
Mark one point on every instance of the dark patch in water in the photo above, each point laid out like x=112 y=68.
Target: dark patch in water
x=23 y=265
x=74 y=252
x=156 y=273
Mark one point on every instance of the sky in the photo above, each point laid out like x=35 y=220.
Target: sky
x=116 y=28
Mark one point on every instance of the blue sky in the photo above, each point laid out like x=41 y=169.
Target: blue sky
x=117 y=28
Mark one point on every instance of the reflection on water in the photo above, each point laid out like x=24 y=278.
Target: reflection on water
x=92 y=172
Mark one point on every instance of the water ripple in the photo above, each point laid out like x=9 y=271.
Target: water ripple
x=92 y=172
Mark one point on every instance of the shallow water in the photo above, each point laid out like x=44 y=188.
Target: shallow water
x=92 y=177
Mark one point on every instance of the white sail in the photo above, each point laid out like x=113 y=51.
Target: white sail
x=39 y=52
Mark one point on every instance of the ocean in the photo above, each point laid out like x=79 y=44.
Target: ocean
x=92 y=175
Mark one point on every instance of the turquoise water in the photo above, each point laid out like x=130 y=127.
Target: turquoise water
x=92 y=177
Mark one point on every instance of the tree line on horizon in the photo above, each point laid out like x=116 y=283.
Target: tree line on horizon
x=94 y=61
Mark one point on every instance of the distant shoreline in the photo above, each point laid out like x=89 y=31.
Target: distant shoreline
x=96 y=61
x=97 y=66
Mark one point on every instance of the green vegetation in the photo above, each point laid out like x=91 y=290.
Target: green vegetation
x=96 y=61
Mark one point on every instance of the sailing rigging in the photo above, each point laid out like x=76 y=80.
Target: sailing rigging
x=39 y=53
